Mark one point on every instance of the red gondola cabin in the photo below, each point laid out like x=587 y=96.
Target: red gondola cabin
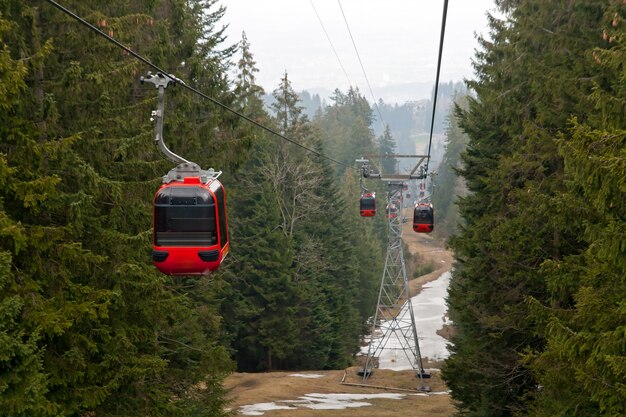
x=392 y=211
x=190 y=233
x=367 y=205
x=423 y=218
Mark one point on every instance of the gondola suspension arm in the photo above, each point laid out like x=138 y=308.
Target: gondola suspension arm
x=161 y=82
x=184 y=168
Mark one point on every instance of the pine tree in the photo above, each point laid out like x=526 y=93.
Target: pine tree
x=331 y=273
x=288 y=169
x=290 y=290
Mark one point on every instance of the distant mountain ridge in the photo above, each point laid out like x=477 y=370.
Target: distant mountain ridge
x=390 y=94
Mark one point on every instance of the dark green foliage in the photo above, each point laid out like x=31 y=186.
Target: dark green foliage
x=294 y=294
x=267 y=322
x=248 y=93
x=96 y=328
x=536 y=295
x=448 y=186
x=345 y=128
x=22 y=377
x=387 y=146
x=584 y=321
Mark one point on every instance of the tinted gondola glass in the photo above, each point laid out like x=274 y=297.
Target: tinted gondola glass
x=184 y=216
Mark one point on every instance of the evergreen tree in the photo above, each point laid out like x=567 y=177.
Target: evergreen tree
x=262 y=322
x=519 y=213
x=346 y=128
x=288 y=114
x=23 y=380
x=288 y=169
x=246 y=90
x=387 y=146
x=108 y=334
x=290 y=291
x=581 y=370
x=331 y=273
x=447 y=186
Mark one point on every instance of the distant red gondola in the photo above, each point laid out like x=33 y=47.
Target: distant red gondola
x=423 y=218
x=392 y=211
x=367 y=205
x=190 y=234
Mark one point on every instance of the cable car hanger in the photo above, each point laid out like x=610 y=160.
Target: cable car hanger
x=185 y=168
x=364 y=174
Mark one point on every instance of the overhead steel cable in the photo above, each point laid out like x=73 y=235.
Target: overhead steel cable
x=188 y=87
x=432 y=121
x=331 y=43
x=361 y=63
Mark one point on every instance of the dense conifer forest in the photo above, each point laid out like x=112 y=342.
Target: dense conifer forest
x=537 y=296
x=88 y=327
x=88 y=324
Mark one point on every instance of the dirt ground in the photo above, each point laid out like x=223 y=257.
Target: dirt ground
x=414 y=398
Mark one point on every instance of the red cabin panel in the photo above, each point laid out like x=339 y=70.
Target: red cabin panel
x=423 y=228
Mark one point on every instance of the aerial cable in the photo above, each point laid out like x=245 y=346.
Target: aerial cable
x=361 y=63
x=188 y=87
x=331 y=44
x=432 y=121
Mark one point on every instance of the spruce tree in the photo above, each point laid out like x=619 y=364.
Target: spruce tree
x=448 y=186
x=346 y=128
x=387 y=145
x=23 y=380
x=248 y=92
x=113 y=336
x=519 y=214
x=261 y=310
x=581 y=369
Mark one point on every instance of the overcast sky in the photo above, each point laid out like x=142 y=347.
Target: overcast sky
x=397 y=41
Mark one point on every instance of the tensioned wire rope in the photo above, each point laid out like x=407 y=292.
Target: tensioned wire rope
x=188 y=87
x=361 y=63
x=330 y=42
x=432 y=121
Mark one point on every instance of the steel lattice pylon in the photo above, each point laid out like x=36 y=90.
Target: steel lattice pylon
x=394 y=312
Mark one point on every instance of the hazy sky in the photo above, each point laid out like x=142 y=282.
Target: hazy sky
x=397 y=40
